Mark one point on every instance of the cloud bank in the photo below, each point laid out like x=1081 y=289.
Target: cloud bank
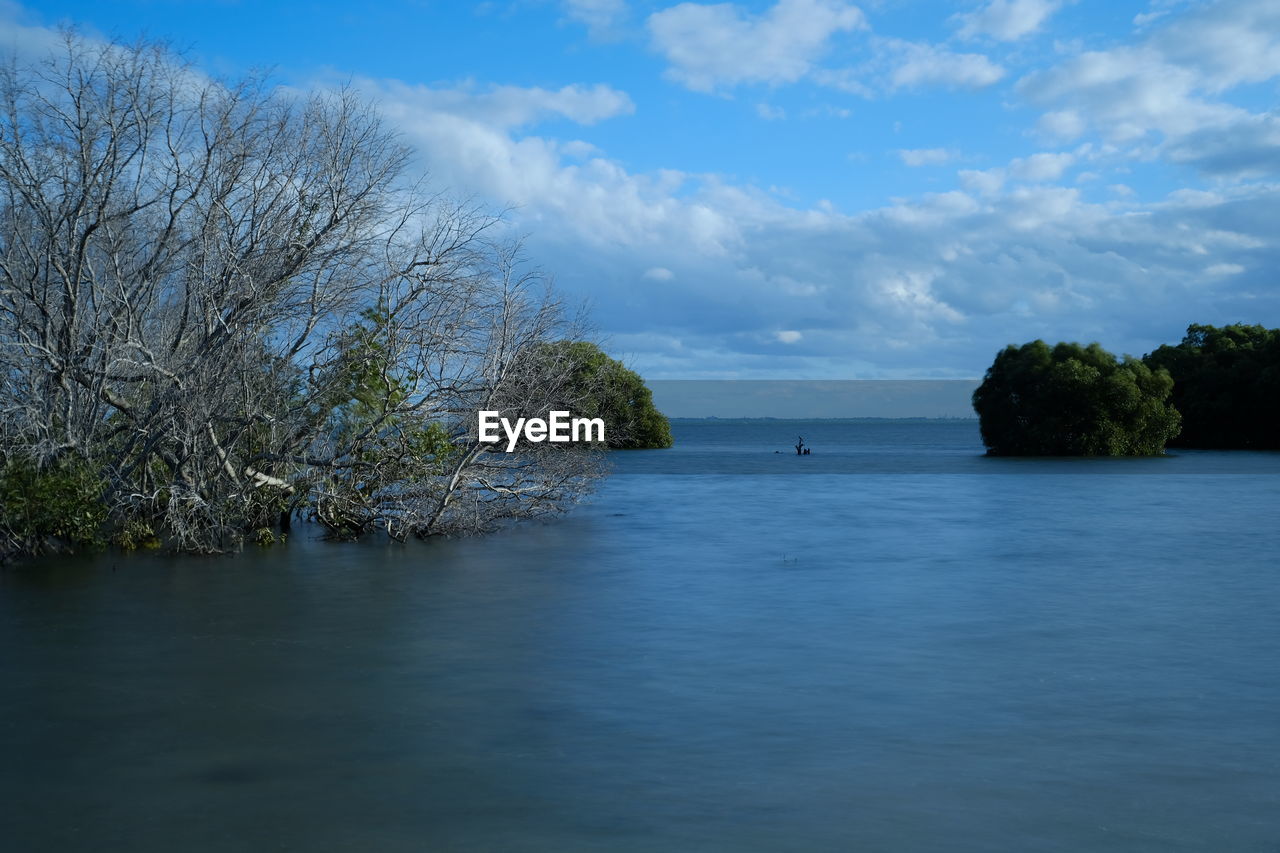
x=1061 y=232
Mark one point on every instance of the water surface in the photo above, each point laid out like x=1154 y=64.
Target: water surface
x=1051 y=660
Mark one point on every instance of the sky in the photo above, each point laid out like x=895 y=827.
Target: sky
x=815 y=189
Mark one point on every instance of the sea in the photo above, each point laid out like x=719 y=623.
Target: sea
x=894 y=643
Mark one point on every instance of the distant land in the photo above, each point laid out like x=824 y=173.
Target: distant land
x=817 y=399
x=973 y=418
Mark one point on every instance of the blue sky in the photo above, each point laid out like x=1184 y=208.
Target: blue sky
x=817 y=188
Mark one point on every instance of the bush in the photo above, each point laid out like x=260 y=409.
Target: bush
x=133 y=534
x=265 y=537
x=1226 y=384
x=1073 y=401
x=59 y=503
x=603 y=387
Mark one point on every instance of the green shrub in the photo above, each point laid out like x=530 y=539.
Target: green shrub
x=605 y=388
x=1226 y=384
x=134 y=534
x=58 y=503
x=1073 y=401
x=265 y=537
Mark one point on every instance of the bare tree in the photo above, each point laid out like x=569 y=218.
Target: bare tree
x=236 y=304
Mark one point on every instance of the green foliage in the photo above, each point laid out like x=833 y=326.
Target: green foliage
x=603 y=387
x=59 y=503
x=134 y=534
x=1073 y=401
x=382 y=441
x=365 y=383
x=1226 y=385
x=370 y=401
x=265 y=537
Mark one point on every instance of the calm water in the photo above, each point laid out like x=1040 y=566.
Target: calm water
x=1045 y=660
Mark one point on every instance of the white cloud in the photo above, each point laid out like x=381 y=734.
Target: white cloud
x=926 y=156
x=1166 y=93
x=1141 y=19
x=938 y=281
x=1063 y=124
x=577 y=149
x=715 y=46
x=1228 y=43
x=854 y=81
x=1126 y=93
x=1040 y=167
x=470 y=146
x=601 y=17
x=827 y=111
x=917 y=65
x=1037 y=168
x=927 y=286
x=982 y=181
x=898 y=64
x=21 y=36
x=1006 y=20
x=1248 y=147
x=768 y=112
x=514 y=106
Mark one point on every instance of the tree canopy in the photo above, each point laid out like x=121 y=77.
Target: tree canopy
x=603 y=387
x=220 y=302
x=1073 y=400
x=1226 y=384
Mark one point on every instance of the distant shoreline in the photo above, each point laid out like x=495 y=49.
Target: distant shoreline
x=717 y=419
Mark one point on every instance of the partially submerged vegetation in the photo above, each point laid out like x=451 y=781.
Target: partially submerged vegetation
x=222 y=306
x=606 y=389
x=1226 y=384
x=1218 y=388
x=1071 y=400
